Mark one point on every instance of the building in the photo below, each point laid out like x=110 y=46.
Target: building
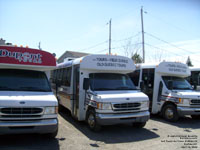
x=3 y=42
x=70 y=54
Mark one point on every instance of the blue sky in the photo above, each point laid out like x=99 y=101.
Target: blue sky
x=172 y=26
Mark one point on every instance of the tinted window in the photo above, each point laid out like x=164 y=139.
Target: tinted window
x=194 y=78
x=178 y=83
x=135 y=76
x=66 y=78
x=148 y=79
x=110 y=81
x=23 y=80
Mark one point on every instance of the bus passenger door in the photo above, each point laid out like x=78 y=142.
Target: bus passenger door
x=75 y=100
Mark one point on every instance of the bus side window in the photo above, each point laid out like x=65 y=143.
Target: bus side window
x=145 y=78
x=59 y=76
x=54 y=76
x=69 y=72
x=148 y=79
x=66 y=78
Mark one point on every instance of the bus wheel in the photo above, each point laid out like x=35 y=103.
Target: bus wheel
x=195 y=116
x=91 y=120
x=170 y=113
x=139 y=124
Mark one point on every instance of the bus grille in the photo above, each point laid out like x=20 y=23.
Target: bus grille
x=20 y=112
x=126 y=106
x=195 y=102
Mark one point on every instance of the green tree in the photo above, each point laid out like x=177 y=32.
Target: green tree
x=189 y=62
x=137 y=58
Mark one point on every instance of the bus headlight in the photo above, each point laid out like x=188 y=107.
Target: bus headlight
x=185 y=101
x=50 y=110
x=106 y=106
x=145 y=104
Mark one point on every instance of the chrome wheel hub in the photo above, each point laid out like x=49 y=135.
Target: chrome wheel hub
x=91 y=120
x=169 y=113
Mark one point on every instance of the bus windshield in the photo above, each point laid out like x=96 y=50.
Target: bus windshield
x=110 y=81
x=23 y=80
x=178 y=83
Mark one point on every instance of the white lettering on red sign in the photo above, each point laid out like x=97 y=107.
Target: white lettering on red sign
x=22 y=57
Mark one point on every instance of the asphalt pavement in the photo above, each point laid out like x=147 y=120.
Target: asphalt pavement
x=74 y=135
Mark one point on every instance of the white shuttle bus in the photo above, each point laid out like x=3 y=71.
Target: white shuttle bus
x=27 y=104
x=194 y=79
x=96 y=89
x=169 y=92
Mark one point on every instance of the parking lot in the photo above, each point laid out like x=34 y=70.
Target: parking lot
x=157 y=134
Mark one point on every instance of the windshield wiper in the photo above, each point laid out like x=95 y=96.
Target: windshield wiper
x=102 y=89
x=3 y=88
x=125 y=88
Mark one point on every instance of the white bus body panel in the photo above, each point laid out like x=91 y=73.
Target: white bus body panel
x=177 y=70
x=104 y=64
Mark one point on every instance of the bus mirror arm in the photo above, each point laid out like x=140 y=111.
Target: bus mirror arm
x=86 y=83
x=142 y=85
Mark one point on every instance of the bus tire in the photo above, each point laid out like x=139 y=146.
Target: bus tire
x=170 y=113
x=195 y=116
x=139 y=124
x=92 y=122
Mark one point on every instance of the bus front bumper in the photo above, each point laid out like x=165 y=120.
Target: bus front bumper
x=182 y=111
x=21 y=127
x=110 y=119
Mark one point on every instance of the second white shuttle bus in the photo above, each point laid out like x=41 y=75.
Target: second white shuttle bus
x=194 y=79
x=169 y=92
x=96 y=88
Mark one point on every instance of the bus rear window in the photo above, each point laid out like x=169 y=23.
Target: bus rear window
x=23 y=80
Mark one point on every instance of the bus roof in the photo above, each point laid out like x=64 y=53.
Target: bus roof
x=194 y=68
x=169 y=68
x=26 y=58
x=108 y=63
x=147 y=65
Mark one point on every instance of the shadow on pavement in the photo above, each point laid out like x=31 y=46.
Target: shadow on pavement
x=28 y=142
x=183 y=122
x=111 y=134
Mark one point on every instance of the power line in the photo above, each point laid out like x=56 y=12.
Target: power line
x=128 y=38
x=175 y=26
x=94 y=45
x=101 y=50
x=155 y=37
x=167 y=50
x=129 y=45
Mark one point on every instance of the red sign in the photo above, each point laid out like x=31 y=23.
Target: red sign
x=26 y=56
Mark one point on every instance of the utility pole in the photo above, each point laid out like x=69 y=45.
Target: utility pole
x=143 y=50
x=110 y=36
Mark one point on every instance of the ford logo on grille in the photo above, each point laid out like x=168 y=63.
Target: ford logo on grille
x=127 y=98
x=22 y=102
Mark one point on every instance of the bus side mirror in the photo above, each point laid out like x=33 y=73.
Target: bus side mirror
x=141 y=85
x=86 y=83
x=170 y=84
